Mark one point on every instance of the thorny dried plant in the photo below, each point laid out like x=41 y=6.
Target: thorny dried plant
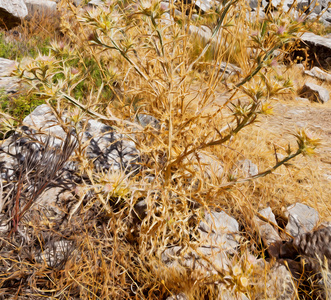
x=131 y=57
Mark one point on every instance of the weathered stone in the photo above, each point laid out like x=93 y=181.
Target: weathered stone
x=205 y=259
x=272 y=282
x=219 y=229
x=110 y=149
x=318 y=46
x=10 y=85
x=314 y=92
x=12 y=12
x=226 y=294
x=56 y=253
x=7 y=66
x=95 y=3
x=49 y=201
x=246 y=168
x=302 y=99
x=40 y=8
x=145 y=120
x=301 y=219
x=279 y=283
x=318 y=73
x=43 y=120
x=180 y=296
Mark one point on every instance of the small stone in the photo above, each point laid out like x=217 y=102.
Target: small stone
x=180 y=296
x=314 y=92
x=301 y=219
x=247 y=167
x=145 y=120
x=318 y=73
x=56 y=253
x=219 y=229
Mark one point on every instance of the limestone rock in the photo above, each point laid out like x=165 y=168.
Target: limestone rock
x=246 y=168
x=319 y=46
x=318 y=73
x=301 y=219
x=12 y=12
x=314 y=92
x=280 y=284
x=180 y=296
x=219 y=229
x=7 y=66
x=110 y=149
x=205 y=259
x=56 y=253
x=40 y=8
x=10 y=85
x=268 y=233
x=147 y=120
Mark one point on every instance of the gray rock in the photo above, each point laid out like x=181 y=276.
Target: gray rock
x=7 y=166
x=49 y=202
x=40 y=8
x=301 y=219
x=7 y=66
x=246 y=167
x=145 y=120
x=109 y=149
x=314 y=92
x=326 y=16
x=210 y=165
x=12 y=12
x=318 y=73
x=56 y=253
x=318 y=46
x=202 y=32
x=219 y=229
x=95 y=3
x=280 y=284
x=268 y=233
x=205 y=259
x=180 y=296
x=268 y=214
x=226 y=294
x=42 y=119
x=10 y=85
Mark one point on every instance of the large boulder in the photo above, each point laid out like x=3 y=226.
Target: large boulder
x=12 y=12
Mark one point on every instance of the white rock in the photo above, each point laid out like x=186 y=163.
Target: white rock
x=318 y=73
x=12 y=12
x=301 y=219
x=40 y=8
x=219 y=229
x=314 y=92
